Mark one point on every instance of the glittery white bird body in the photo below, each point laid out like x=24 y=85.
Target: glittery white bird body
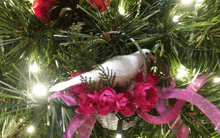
x=125 y=67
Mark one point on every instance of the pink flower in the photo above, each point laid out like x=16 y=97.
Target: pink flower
x=126 y=103
x=79 y=88
x=100 y=4
x=121 y=102
x=107 y=101
x=41 y=8
x=87 y=103
x=150 y=78
x=145 y=95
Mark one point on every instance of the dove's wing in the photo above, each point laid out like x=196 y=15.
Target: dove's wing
x=125 y=67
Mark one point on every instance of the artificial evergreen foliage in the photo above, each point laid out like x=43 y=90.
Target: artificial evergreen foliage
x=79 y=38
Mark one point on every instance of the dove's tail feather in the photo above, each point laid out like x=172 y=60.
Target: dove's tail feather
x=94 y=75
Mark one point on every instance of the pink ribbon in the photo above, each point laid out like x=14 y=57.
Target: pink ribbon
x=69 y=99
x=86 y=128
x=163 y=109
x=73 y=125
x=83 y=124
x=183 y=131
x=189 y=94
x=203 y=104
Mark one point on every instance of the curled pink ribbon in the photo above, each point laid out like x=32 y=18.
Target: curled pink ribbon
x=203 y=104
x=73 y=125
x=189 y=94
x=68 y=98
x=83 y=124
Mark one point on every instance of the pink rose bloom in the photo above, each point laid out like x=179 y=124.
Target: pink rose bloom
x=150 y=78
x=107 y=101
x=100 y=4
x=121 y=102
x=87 y=103
x=79 y=88
x=145 y=95
x=126 y=103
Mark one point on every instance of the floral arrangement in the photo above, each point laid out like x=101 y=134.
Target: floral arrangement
x=144 y=95
x=107 y=100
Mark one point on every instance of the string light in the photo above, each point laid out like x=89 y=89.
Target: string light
x=39 y=90
x=21 y=120
x=34 y=68
x=118 y=136
x=30 y=129
x=199 y=3
x=176 y=18
x=119 y=129
x=121 y=9
x=181 y=72
x=217 y=80
x=186 y=1
x=31 y=1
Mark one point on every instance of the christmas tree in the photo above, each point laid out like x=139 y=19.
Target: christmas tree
x=109 y=68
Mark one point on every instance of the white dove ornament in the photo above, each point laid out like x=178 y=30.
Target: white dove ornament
x=125 y=67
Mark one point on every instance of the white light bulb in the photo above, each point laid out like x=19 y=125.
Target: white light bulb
x=31 y=1
x=30 y=129
x=176 y=18
x=198 y=3
x=21 y=120
x=186 y=1
x=121 y=10
x=217 y=80
x=34 y=68
x=39 y=90
x=181 y=72
x=118 y=136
